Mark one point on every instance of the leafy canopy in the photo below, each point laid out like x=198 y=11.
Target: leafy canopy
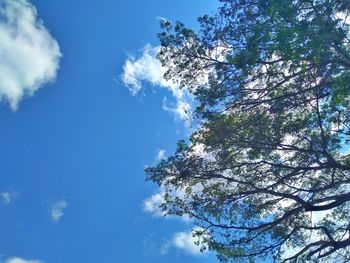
x=267 y=173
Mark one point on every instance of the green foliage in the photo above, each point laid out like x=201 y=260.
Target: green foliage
x=341 y=90
x=267 y=171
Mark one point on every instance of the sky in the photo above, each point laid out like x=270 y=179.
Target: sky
x=84 y=109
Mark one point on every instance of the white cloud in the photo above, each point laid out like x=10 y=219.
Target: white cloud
x=182 y=109
x=147 y=69
x=189 y=242
x=20 y=260
x=29 y=56
x=8 y=197
x=57 y=210
x=160 y=155
x=152 y=203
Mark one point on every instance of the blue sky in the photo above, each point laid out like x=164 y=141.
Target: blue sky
x=83 y=111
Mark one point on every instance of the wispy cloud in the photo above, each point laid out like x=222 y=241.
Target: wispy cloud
x=21 y=260
x=160 y=155
x=8 y=197
x=146 y=68
x=188 y=241
x=29 y=55
x=57 y=209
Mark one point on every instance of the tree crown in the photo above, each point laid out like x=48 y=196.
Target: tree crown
x=267 y=173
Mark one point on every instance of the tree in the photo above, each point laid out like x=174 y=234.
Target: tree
x=267 y=173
